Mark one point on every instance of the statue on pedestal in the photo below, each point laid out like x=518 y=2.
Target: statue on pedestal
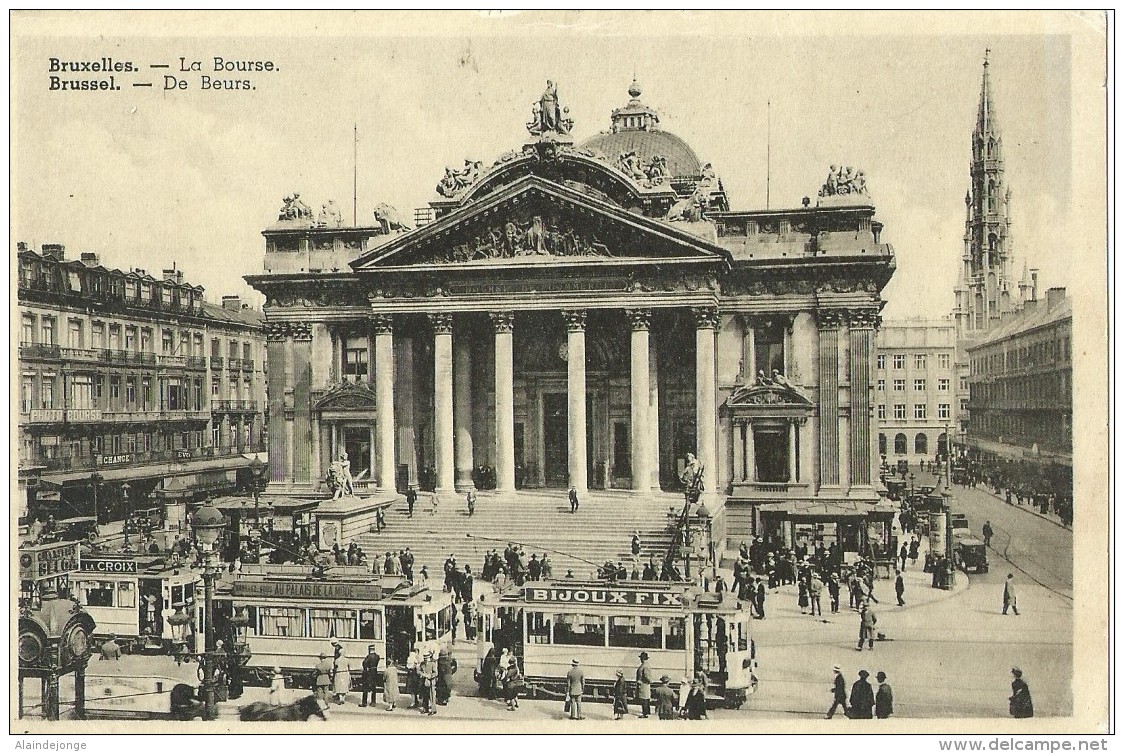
x=547 y=115
x=339 y=477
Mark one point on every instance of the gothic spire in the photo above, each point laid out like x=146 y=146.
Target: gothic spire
x=986 y=123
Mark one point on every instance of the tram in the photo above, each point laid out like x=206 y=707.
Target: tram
x=605 y=625
x=133 y=597
x=288 y=614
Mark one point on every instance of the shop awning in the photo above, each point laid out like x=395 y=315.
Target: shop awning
x=816 y=510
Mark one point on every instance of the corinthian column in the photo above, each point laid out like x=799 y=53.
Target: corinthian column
x=503 y=322
x=706 y=389
x=640 y=320
x=443 y=399
x=462 y=394
x=575 y=388
x=384 y=400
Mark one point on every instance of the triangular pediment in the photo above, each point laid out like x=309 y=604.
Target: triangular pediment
x=534 y=222
x=772 y=395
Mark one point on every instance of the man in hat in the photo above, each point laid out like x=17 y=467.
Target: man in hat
x=1009 y=597
x=862 y=698
x=644 y=685
x=665 y=698
x=838 y=693
x=575 y=681
x=883 y=698
x=428 y=673
x=110 y=650
x=867 y=619
x=370 y=675
x=899 y=588
x=411 y=500
x=323 y=679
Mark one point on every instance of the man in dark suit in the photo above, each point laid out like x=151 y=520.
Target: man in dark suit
x=899 y=587
x=760 y=598
x=573 y=500
x=370 y=675
x=862 y=698
x=411 y=499
x=883 y=698
x=838 y=694
x=575 y=682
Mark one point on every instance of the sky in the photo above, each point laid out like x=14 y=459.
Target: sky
x=148 y=178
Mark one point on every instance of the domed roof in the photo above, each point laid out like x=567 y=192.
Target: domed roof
x=636 y=129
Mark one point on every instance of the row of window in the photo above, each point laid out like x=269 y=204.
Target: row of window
x=919 y=384
x=323 y=623
x=944 y=360
x=49 y=275
x=44 y=329
x=901 y=444
x=1043 y=388
x=51 y=447
x=1041 y=353
x=124 y=393
x=920 y=411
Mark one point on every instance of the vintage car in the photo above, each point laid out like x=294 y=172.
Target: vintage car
x=970 y=554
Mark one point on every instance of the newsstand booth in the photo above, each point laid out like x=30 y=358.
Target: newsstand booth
x=856 y=527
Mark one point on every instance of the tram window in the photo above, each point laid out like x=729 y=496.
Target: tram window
x=337 y=623
x=177 y=595
x=281 y=621
x=538 y=628
x=445 y=620
x=585 y=630
x=126 y=595
x=97 y=594
x=635 y=631
x=430 y=627
x=743 y=636
x=370 y=624
x=676 y=633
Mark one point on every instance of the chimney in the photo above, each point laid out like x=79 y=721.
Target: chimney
x=170 y=275
x=89 y=259
x=232 y=303
x=55 y=251
x=21 y=246
x=1034 y=284
x=1054 y=297
x=179 y=276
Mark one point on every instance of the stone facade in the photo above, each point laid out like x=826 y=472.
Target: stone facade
x=575 y=316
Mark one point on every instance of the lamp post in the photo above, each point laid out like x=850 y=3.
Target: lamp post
x=95 y=481
x=706 y=522
x=256 y=467
x=206 y=524
x=125 y=495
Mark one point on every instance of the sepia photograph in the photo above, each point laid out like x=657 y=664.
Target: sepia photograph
x=560 y=372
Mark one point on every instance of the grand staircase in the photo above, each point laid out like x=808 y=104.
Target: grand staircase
x=540 y=520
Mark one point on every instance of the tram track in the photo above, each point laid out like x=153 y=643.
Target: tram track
x=1005 y=554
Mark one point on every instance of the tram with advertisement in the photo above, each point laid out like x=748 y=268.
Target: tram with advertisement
x=605 y=625
x=287 y=615
x=145 y=602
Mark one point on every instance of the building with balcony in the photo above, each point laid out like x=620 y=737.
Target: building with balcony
x=915 y=384
x=136 y=379
x=588 y=315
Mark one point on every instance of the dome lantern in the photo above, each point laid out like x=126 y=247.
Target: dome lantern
x=635 y=116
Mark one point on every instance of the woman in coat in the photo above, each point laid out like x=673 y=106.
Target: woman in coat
x=341 y=675
x=620 y=696
x=696 y=702
x=488 y=671
x=512 y=684
x=1021 y=704
x=390 y=686
x=665 y=698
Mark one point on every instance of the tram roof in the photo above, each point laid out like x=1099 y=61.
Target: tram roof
x=621 y=593
x=298 y=582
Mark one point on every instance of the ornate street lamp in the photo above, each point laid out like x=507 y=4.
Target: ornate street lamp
x=206 y=524
x=256 y=468
x=706 y=522
x=95 y=481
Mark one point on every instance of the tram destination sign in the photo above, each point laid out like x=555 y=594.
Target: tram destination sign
x=108 y=565
x=603 y=596
x=307 y=590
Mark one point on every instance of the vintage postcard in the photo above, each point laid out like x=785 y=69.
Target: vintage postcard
x=563 y=372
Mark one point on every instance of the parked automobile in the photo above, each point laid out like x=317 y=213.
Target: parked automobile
x=970 y=554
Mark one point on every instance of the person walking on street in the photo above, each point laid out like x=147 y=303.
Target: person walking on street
x=413 y=676
x=370 y=675
x=899 y=588
x=110 y=649
x=665 y=699
x=341 y=673
x=760 y=598
x=695 y=706
x=867 y=619
x=644 y=685
x=838 y=694
x=470 y=498
x=903 y=554
x=434 y=502
x=1010 y=599
x=575 y=681
x=833 y=590
x=428 y=672
x=573 y=500
x=620 y=696
x=1020 y=702
x=512 y=684
x=277 y=688
x=390 y=686
x=988 y=533
x=914 y=547
x=323 y=680
x=883 y=698
x=411 y=500
x=815 y=590
x=862 y=698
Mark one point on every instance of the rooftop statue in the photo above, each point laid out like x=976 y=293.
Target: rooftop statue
x=294 y=209
x=456 y=181
x=390 y=219
x=548 y=116
x=844 y=181
x=330 y=216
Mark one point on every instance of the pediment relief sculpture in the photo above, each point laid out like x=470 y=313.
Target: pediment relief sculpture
x=769 y=391
x=533 y=235
x=348 y=395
